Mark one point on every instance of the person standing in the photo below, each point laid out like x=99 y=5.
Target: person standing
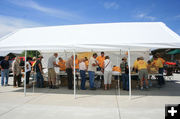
x=83 y=68
x=107 y=72
x=91 y=70
x=76 y=63
x=51 y=71
x=69 y=69
x=135 y=65
x=161 y=67
x=143 y=72
x=16 y=72
x=28 y=71
x=34 y=68
x=100 y=60
x=86 y=62
x=125 y=73
x=62 y=64
x=39 y=72
x=4 y=66
x=159 y=64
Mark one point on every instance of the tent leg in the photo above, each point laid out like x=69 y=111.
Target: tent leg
x=25 y=73
x=119 y=76
x=118 y=87
x=129 y=63
x=74 y=76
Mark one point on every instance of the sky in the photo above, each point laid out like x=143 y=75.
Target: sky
x=17 y=14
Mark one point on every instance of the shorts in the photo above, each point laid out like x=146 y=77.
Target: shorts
x=143 y=74
x=51 y=73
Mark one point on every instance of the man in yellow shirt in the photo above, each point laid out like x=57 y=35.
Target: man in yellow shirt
x=143 y=72
x=135 y=65
x=161 y=69
x=159 y=64
x=159 y=57
x=62 y=64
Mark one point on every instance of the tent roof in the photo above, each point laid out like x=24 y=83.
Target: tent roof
x=176 y=51
x=4 y=53
x=135 y=36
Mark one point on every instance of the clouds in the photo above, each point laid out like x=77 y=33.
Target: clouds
x=145 y=16
x=111 y=5
x=10 y=24
x=177 y=16
x=46 y=10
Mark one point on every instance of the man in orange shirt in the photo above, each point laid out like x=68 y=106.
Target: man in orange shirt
x=62 y=64
x=86 y=62
x=76 y=63
x=100 y=60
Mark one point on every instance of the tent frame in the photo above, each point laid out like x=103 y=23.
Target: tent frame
x=74 y=72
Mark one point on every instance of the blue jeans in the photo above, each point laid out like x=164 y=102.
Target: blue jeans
x=40 y=80
x=161 y=78
x=83 y=79
x=91 y=78
x=4 y=73
x=125 y=79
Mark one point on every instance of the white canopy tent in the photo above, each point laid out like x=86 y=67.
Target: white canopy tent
x=135 y=36
x=109 y=36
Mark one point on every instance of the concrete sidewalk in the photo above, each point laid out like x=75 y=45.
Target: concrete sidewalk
x=60 y=103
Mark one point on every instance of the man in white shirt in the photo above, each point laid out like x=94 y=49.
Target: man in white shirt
x=51 y=71
x=82 y=68
x=91 y=70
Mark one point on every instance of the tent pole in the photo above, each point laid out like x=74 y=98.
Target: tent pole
x=65 y=55
x=119 y=73
x=25 y=73
x=118 y=79
x=74 y=75
x=129 y=63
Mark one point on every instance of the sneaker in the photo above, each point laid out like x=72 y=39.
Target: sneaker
x=50 y=87
x=54 y=87
x=150 y=85
x=83 y=88
x=141 y=88
x=137 y=87
x=147 y=87
x=92 y=88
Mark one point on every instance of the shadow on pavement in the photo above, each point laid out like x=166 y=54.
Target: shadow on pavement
x=171 y=88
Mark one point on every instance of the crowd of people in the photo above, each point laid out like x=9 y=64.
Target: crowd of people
x=95 y=63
